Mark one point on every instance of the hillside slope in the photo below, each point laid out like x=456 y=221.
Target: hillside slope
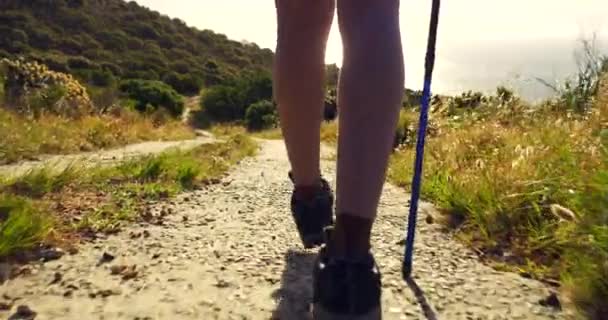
x=100 y=40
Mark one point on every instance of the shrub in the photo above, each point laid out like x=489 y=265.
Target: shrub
x=98 y=55
x=256 y=88
x=81 y=63
x=116 y=70
x=153 y=94
x=46 y=98
x=102 y=78
x=55 y=62
x=261 y=115
x=12 y=35
x=186 y=84
x=144 y=31
x=140 y=74
x=467 y=100
x=223 y=104
x=180 y=67
x=113 y=40
x=41 y=38
x=504 y=95
x=75 y=20
x=72 y=46
x=230 y=102
x=31 y=81
x=105 y=99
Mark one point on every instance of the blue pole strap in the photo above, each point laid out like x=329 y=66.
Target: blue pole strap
x=424 y=110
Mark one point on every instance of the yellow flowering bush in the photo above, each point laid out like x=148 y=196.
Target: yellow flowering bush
x=31 y=86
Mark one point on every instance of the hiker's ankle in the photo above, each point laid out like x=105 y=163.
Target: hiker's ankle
x=351 y=236
x=308 y=192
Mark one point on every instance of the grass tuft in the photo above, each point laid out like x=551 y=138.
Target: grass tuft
x=22 y=225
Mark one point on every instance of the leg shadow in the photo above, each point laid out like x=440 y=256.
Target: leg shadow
x=295 y=295
x=428 y=311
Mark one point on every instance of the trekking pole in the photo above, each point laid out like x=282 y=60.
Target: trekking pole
x=424 y=109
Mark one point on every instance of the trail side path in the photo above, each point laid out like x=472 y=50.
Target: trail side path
x=59 y=162
x=231 y=252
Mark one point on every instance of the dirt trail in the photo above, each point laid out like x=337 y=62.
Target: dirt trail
x=231 y=252
x=58 y=162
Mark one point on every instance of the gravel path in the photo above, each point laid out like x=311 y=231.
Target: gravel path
x=231 y=252
x=59 y=162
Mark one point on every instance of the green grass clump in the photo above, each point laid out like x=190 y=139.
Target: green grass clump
x=40 y=181
x=22 y=225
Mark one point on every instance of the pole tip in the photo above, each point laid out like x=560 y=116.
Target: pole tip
x=406 y=270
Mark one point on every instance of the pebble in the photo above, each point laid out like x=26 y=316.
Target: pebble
x=51 y=254
x=5 y=306
x=57 y=277
x=23 y=312
x=105 y=258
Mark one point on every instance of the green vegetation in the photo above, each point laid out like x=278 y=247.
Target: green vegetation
x=261 y=115
x=32 y=88
x=229 y=102
x=51 y=112
x=152 y=95
x=123 y=40
x=526 y=186
x=47 y=205
x=22 y=226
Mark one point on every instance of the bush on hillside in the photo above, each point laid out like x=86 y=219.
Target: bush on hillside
x=186 y=84
x=31 y=87
x=229 y=102
x=223 y=104
x=466 y=101
x=504 y=95
x=81 y=63
x=261 y=115
x=102 y=78
x=151 y=95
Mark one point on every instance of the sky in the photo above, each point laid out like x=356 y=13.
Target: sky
x=481 y=43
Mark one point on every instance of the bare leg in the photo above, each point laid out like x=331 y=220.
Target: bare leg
x=370 y=93
x=303 y=29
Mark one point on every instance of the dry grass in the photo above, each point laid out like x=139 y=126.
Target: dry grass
x=26 y=138
x=329 y=133
x=528 y=190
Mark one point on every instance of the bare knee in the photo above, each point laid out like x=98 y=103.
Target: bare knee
x=364 y=19
x=304 y=22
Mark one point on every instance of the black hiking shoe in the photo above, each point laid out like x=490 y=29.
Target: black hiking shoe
x=346 y=288
x=312 y=217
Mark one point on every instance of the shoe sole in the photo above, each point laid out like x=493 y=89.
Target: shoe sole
x=320 y=313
